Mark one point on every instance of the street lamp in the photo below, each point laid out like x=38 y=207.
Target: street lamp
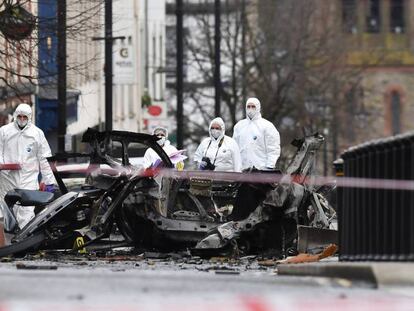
x=108 y=38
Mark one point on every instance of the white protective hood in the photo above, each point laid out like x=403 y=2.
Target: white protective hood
x=220 y=122
x=25 y=110
x=256 y=102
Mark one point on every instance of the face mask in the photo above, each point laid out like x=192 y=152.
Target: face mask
x=251 y=113
x=215 y=133
x=22 y=123
x=161 y=141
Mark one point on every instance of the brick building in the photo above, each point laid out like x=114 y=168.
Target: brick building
x=380 y=36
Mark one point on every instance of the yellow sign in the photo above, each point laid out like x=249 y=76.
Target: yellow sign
x=79 y=242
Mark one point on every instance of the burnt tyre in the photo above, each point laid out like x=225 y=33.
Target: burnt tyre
x=137 y=229
x=32 y=243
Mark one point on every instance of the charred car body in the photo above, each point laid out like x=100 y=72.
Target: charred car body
x=166 y=209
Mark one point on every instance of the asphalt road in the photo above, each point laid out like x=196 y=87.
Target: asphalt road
x=136 y=283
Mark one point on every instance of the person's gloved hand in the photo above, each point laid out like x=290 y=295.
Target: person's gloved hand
x=202 y=166
x=179 y=166
x=207 y=165
x=50 y=188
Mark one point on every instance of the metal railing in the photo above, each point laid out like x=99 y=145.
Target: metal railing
x=377 y=223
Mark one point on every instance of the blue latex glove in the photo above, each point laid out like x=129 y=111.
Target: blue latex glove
x=50 y=188
x=202 y=166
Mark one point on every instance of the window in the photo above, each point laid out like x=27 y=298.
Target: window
x=349 y=16
x=49 y=42
x=395 y=113
x=373 y=21
x=171 y=52
x=397 y=16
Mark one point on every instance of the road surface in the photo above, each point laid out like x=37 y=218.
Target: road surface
x=137 y=283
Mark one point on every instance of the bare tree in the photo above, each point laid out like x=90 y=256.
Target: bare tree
x=199 y=91
x=19 y=65
x=296 y=63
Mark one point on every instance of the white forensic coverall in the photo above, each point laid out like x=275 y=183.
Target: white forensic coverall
x=226 y=157
x=151 y=156
x=258 y=139
x=29 y=148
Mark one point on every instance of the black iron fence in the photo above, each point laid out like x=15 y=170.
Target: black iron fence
x=376 y=223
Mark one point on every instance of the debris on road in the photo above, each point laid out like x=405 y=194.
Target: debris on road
x=303 y=257
x=23 y=266
x=311 y=237
x=6 y=259
x=232 y=272
x=268 y=262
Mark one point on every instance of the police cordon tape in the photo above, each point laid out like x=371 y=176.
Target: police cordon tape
x=256 y=177
x=265 y=177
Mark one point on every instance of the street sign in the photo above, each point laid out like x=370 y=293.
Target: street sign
x=156 y=115
x=157 y=110
x=124 y=62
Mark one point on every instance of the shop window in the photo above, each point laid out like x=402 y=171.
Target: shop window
x=349 y=16
x=397 y=22
x=373 y=20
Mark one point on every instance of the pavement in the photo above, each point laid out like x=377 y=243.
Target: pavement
x=376 y=273
x=114 y=282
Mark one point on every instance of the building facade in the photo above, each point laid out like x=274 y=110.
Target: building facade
x=18 y=68
x=380 y=36
x=375 y=42
x=85 y=70
x=87 y=82
x=153 y=60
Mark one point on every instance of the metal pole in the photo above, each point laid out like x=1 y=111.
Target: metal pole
x=146 y=85
x=61 y=64
x=325 y=155
x=108 y=65
x=334 y=138
x=243 y=54
x=217 y=39
x=179 y=85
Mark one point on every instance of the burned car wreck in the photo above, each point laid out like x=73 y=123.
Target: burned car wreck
x=165 y=209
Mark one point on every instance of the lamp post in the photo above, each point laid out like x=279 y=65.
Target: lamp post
x=180 y=73
x=61 y=67
x=217 y=58
x=108 y=63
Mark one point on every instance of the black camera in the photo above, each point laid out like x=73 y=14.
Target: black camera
x=210 y=166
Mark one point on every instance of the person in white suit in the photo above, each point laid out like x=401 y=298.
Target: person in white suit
x=258 y=139
x=218 y=152
x=150 y=156
x=23 y=143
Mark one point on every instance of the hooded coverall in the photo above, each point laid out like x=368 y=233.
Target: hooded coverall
x=222 y=151
x=29 y=148
x=258 y=139
x=150 y=156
